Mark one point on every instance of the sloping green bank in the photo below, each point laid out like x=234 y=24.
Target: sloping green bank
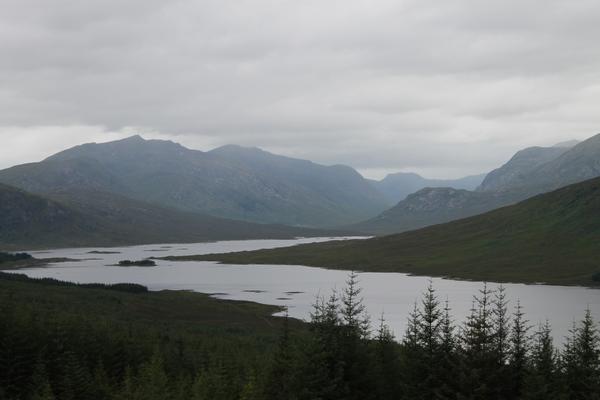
x=552 y=238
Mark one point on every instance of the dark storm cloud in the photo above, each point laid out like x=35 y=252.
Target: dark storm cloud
x=443 y=87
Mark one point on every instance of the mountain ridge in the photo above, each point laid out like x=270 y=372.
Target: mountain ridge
x=397 y=186
x=229 y=182
x=529 y=172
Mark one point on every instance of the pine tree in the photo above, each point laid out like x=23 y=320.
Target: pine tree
x=152 y=381
x=44 y=392
x=75 y=380
x=40 y=385
x=478 y=355
x=501 y=326
x=447 y=361
x=519 y=351
x=412 y=356
x=201 y=389
x=251 y=391
x=582 y=361
x=500 y=376
x=542 y=382
x=321 y=368
x=353 y=310
x=423 y=374
x=280 y=382
x=430 y=324
x=430 y=337
x=127 y=390
x=101 y=389
x=386 y=362
x=17 y=353
x=411 y=336
x=355 y=332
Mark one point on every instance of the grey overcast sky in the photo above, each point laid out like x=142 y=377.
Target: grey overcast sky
x=443 y=88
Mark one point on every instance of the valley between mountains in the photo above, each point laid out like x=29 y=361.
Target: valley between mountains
x=533 y=219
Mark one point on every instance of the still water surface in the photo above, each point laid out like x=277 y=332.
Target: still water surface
x=297 y=286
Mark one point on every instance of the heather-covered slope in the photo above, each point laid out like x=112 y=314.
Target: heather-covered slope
x=553 y=238
x=94 y=218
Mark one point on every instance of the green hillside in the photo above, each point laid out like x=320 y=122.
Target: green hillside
x=95 y=218
x=552 y=238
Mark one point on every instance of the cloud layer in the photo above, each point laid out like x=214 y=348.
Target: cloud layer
x=442 y=88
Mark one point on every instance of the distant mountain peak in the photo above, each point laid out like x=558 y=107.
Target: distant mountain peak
x=568 y=143
x=231 y=148
x=133 y=138
x=402 y=174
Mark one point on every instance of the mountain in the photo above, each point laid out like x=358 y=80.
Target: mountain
x=529 y=172
x=514 y=172
x=432 y=206
x=539 y=169
x=29 y=219
x=399 y=185
x=581 y=162
x=550 y=238
x=568 y=143
x=230 y=182
x=93 y=218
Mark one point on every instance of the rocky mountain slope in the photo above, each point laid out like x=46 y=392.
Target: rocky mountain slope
x=230 y=182
x=530 y=172
x=396 y=187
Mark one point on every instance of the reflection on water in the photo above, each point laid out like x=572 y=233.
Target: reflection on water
x=296 y=286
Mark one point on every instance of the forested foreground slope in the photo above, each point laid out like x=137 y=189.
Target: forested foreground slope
x=119 y=342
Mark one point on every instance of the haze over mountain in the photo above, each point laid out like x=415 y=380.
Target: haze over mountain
x=552 y=237
x=399 y=185
x=76 y=218
x=558 y=167
x=529 y=172
x=230 y=182
x=514 y=172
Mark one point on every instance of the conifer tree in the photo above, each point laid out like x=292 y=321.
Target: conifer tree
x=353 y=310
x=519 y=351
x=280 y=382
x=411 y=336
x=447 y=361
x=43 y=392
x=321 y=368
x=127 y=390
x=386 y=362
x=40 y=385
x=251 y=391
x=101 y=388
x=412 y=356
x=478 y=356
x=501 y=326
x=582 y=361
x=152 y=382
x=201 y=389
x=355 y=332
x=542 y=382
x=430 y=337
